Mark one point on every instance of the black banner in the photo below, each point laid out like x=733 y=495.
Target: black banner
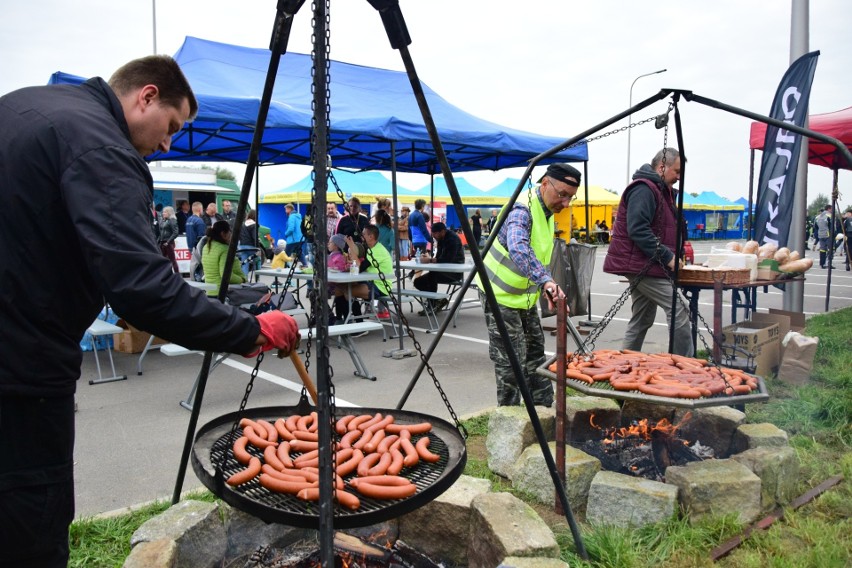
x=774 y=205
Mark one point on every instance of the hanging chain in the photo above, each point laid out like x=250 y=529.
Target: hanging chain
x=398 y=309
x=589 y=343
x=243 y=403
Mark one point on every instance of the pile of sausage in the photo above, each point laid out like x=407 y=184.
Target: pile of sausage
x=372 y=446
x=658 y=374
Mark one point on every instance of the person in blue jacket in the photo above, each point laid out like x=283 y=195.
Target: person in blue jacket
x=293 y=233
x=420 y=236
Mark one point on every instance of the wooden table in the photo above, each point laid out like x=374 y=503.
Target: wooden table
x=748 y=304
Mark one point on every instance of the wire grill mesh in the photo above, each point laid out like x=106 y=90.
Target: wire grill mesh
x=215 y=440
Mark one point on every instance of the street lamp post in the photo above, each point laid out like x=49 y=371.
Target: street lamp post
x=630 y=117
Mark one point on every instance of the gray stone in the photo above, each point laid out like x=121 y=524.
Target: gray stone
x=155 y=554
x=532 y=476
x=439 y=529
x=195 y=527
x=627 y=501
x=502 y=525
x=246 y=533
x=713 y=427
x=520 y=562
x=635 y=410
x=778 y=470
x=579 y=424
x=716 y=487
x=510 y=431
x=750 y=436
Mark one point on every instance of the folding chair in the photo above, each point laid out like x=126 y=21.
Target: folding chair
x=99 y=328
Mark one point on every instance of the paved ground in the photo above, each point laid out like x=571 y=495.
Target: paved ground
x=130 y=434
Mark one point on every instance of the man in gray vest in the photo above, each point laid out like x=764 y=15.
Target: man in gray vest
x=823 y=230
x=645 y=233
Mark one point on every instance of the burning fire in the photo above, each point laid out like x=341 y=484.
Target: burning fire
x=642 y=429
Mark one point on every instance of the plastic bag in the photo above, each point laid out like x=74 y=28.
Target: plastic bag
x=571 y=266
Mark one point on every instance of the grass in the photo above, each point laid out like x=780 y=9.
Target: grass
x=105 y=542
x=817 y=416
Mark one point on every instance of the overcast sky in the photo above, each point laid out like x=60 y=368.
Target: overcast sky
x=553 y=67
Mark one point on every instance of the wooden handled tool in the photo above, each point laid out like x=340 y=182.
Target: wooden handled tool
x=303 y=373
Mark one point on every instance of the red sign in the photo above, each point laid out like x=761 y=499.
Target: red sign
x=182 y=254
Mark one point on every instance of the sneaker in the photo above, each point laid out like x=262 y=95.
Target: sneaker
x=443 y=303
x=383 y=314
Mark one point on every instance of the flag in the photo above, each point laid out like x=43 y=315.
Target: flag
x=781 y=148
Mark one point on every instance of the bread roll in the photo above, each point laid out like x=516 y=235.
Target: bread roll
x=782 y=255
x=801 y=265
x=734 y=246
x=767 y=251
x=750 y=247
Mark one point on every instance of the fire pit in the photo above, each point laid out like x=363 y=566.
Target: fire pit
x=350 y=552
x=644 y=448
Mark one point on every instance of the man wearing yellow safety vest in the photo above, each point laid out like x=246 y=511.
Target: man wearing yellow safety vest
x=517 y=267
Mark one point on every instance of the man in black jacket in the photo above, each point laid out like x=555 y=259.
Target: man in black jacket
x=71 y=161
x=450 y=250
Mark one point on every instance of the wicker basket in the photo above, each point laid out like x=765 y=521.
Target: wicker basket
x=701 y=275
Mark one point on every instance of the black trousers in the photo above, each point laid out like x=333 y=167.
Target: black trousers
x=36 y=480
x=428 y=282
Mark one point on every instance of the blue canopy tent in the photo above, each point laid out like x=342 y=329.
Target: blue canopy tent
x=366 y=186
x=710 y=215
x=375 y=121
x=370 y=108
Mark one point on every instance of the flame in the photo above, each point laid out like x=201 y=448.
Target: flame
x=639 y=429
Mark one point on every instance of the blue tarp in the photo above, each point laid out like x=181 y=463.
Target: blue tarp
x=370 y=107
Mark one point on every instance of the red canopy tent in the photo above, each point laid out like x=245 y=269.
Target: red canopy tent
x=835 y=124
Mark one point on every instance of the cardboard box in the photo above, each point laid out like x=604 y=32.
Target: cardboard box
x=797 y=319
x=783 y=321
x=760 y=339
x=133 y=340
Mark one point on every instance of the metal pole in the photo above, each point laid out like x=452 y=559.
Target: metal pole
x=154 y=18
x=629 y=117
x=794 y=293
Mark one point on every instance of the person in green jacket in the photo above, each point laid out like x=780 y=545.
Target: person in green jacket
x=215 y=253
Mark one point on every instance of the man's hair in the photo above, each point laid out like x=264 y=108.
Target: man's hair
x=198 y=205
x=438 y=227
x=666 y=155
x=354 y=200
x=159 y=70
x=373 y=230
x=419 y=204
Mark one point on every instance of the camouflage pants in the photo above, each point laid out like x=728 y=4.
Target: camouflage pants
x=527 y=338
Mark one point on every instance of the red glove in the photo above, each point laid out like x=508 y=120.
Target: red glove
x=280 y=331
